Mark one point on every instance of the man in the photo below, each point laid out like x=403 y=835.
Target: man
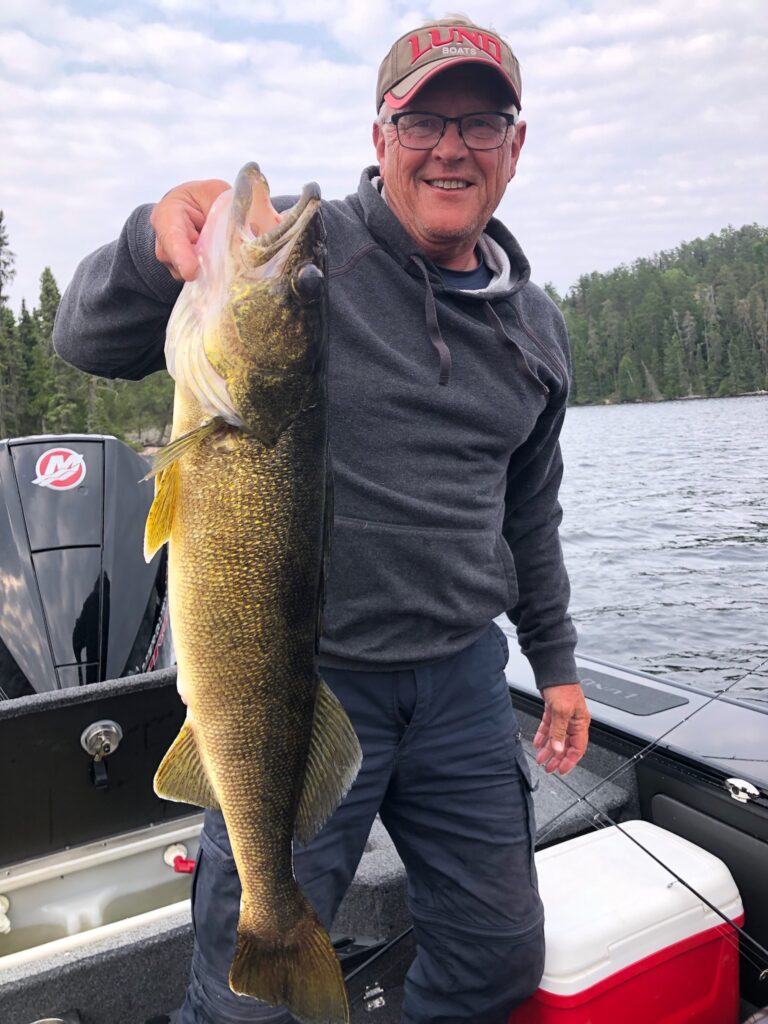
x=448 y=381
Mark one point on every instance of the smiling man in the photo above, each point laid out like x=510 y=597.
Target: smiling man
x=446 y=157
x=448 y=382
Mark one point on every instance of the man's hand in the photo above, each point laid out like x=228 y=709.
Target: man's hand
x=178 y=220
x=562 y=737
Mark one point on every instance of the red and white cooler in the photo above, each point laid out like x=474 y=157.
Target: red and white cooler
x=626 y=943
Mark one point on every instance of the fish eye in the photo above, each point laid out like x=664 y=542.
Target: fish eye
x=307 y=283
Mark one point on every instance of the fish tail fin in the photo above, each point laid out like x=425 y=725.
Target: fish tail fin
x=299 y=970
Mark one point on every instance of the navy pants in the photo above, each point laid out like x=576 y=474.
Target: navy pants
x=443 y=766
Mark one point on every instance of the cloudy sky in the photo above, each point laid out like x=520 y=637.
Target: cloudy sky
x=646 y=121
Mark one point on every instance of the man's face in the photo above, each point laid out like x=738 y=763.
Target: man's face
x=447 y=222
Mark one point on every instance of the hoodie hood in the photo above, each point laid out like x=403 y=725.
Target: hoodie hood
x=511 y=270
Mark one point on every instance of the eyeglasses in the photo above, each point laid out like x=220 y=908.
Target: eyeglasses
x=481 y=130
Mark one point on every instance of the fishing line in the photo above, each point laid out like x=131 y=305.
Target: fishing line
x=763 y=970
x=377 y=955
x=719 y=757
x=636 y=758
x=596 y=822
x=727 y=934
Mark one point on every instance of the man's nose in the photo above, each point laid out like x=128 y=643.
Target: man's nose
x=450 y=145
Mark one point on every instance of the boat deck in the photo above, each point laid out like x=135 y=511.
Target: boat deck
x=134 y=972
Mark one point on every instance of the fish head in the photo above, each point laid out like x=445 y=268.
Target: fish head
x=270 y=344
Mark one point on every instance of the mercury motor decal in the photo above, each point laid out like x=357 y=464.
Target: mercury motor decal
x=60 y=469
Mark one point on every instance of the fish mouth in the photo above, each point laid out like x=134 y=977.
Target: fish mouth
x=265 y=255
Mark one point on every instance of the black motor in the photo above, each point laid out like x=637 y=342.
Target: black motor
x=78 y=603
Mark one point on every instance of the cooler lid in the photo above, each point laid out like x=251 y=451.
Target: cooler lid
x=608 y=904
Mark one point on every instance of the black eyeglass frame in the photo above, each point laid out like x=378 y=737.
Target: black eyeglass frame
x=511 y=120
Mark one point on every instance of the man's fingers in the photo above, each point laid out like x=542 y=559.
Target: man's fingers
x=178 y=220
x=559 y=729
x=562 y=737
x=174 y=249
x=543 y=731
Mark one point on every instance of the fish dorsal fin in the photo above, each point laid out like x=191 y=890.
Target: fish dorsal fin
x=333 y=762
x=182 y=776
x=160 y=517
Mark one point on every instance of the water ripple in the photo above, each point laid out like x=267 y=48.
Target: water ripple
x=665 y=531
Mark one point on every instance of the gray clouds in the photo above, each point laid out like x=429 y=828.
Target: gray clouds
x=645 y=125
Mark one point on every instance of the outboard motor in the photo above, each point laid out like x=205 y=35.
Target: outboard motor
x=78 y=603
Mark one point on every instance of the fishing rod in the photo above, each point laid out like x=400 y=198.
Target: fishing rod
x=599 y=814
x=602 y=815
x=636 y=758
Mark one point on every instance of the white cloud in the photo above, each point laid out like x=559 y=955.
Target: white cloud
x=646 y=123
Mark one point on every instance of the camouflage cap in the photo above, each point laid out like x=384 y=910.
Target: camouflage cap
x=437 y=45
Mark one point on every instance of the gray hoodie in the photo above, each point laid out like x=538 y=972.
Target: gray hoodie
x=445 y=412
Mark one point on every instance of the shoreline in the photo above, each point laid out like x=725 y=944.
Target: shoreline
x=659 y=401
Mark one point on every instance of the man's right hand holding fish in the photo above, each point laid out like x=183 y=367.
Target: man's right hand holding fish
x=178 y=220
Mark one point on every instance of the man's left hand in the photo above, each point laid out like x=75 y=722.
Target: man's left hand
x=562 y=737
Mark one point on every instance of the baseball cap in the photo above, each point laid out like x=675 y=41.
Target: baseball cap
x=424 y=52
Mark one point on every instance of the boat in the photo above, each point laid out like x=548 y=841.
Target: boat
x=95 y=871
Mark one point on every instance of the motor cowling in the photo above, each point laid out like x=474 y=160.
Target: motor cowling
x=78 y=603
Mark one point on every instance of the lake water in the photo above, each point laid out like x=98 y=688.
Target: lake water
x=665 y=534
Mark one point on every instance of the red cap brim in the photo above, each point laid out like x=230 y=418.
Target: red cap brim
x=421 y=76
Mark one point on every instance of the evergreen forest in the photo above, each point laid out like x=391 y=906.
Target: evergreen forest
x=41 y=394
x=689 y=322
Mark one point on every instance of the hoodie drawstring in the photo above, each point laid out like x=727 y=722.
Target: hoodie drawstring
x=433 y=327
x=494 y=320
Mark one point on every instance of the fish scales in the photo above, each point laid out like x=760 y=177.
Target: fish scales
x=246 y=613
x=242 y=498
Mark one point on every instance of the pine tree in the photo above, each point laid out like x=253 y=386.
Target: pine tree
x=10 y=369
x=65 y=410
x=38 y=372
x=7 y=259
x=629 y=380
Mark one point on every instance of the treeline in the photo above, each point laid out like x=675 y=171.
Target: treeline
x=41 y=394
x=689 y=322
x=692 y=321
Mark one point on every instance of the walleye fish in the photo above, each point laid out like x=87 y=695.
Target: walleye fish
x=242 y=498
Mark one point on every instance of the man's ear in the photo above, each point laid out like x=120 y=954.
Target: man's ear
x=517 y=145
x=378 y=141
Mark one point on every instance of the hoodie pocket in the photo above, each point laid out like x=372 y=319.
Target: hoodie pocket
x=393 y=590
x=507 y=560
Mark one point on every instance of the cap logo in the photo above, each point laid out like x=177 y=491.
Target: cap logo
x=454 y=43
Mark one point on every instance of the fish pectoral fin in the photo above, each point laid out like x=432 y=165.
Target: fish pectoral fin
x=298 y=969
x=182 y=776
x=333 y=762
x=160 y=517
x=176 y=448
